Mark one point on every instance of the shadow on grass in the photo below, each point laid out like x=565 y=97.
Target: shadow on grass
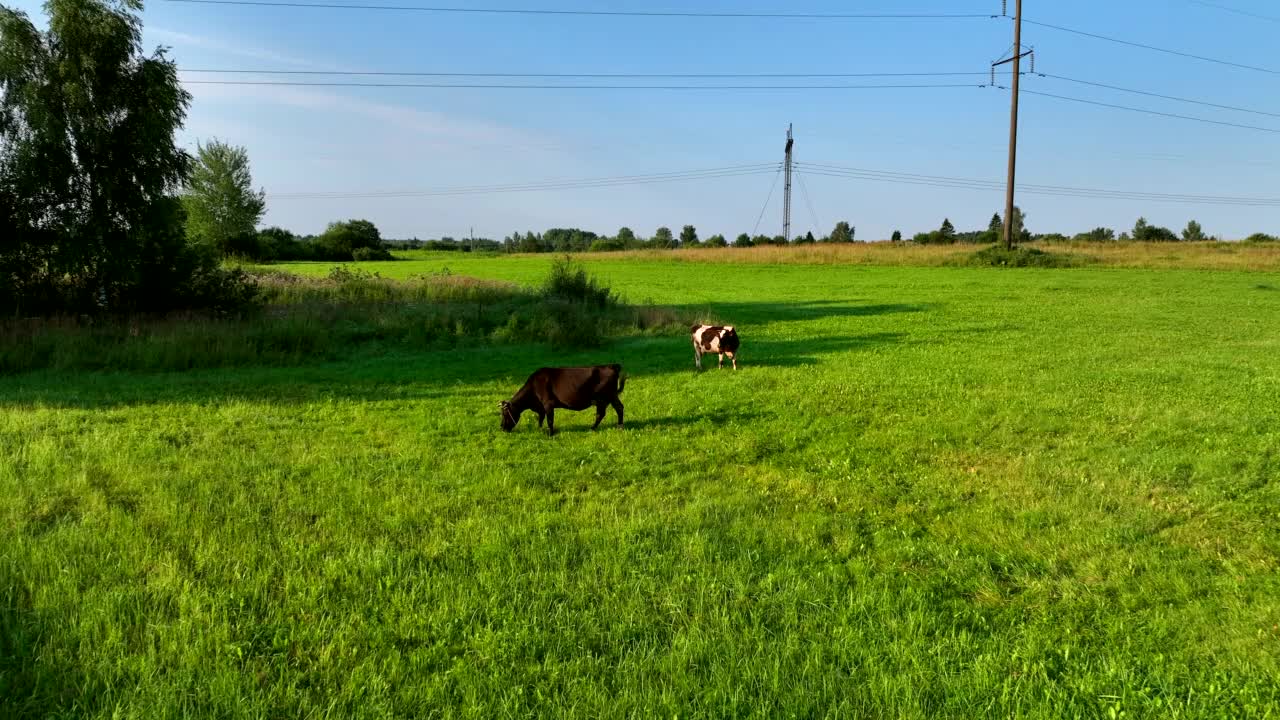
x=658 y=423
x=764 y=313
x=473 y=373
x=794 y=353
x=35 y=684
x=481 y=376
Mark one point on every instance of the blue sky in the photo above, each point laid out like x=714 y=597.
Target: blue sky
x=304 y=140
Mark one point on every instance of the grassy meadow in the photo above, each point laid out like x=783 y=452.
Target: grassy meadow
x=929 y=492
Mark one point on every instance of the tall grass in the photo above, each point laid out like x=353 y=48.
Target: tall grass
x=1253 y=256
x=306 y=319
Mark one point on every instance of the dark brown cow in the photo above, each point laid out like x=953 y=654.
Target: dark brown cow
x=576 y=388
x=722 y=340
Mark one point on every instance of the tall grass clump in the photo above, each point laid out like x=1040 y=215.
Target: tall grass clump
x=576 y=309
x=306 y=319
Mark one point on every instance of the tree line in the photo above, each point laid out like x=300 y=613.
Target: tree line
x=1142 y=231
x=577 y=240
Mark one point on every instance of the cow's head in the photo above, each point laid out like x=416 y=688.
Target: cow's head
x=729 y=341
x=509 y=416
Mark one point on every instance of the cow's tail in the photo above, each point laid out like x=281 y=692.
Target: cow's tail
x=622 y=382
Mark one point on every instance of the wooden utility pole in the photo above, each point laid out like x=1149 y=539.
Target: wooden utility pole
x=786 y=189
x=1013 y=121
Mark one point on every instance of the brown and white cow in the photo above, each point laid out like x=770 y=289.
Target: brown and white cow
x=572 y=388
x=721 y=340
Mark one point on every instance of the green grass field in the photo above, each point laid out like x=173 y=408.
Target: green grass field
x=928 y=492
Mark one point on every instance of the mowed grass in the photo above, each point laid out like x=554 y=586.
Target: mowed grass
x=928 y=492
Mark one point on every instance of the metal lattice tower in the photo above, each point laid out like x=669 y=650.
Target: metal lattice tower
x=786 y=189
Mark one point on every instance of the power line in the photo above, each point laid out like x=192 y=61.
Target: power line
x=1237 y=11
x=496 y=86
x=769 y=197
x=809 y=202
x=1057 y=190
x=1158 y=95
x=400 y=73
x=602 y=13
x=1153 y=48
x=1153 y=112
x=571 y=184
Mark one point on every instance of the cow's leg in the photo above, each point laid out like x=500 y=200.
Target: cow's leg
x=551 y=421
x=617 y=408
x=720 y=365
x=599 y=413
x=734 y=357
x=541 y=419
x=697 y=355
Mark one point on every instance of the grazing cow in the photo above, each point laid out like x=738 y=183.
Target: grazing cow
x=714 y=339
x=576 y=388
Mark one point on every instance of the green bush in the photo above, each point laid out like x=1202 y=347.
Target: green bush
x=366 y=254
x=1261 y=238
x=1098 y=234
x=998 y=256
x=569 y=282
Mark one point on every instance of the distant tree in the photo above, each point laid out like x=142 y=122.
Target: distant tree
x=1193 y=232
x=743 y=240
x=530 y=242
x=341 y=239
x=662 y=238
x=946 y=233
x=716 y=241
x=626 y=237
x=806 y=239
x=842 y=233
x=993 y=232
x=779 y=240
x=276 y=243
x=689 y=236
x=1098 y=234
x=1020 y=231
x=1261 y=238
x=222 y=207
x=761 y=240
x=1146 y=232
x=896 y=237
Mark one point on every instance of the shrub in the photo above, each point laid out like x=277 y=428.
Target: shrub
x=605 y=245
x=569 y=282
x=716 y=241
x=1261 y=238
x=366 y=254
x=743 y=240
x=1098 y=234
x=1145 y=232
x=998 y=256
